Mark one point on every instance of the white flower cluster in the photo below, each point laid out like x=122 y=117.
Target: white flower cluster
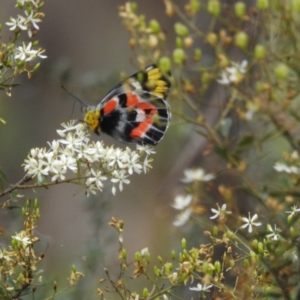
x=29 y=21
x=292 y=165
x=233 y=74
x=92 y=162
x=184 y=203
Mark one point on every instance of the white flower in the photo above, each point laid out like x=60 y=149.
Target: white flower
x=17 y=23
x=201 y=288
x=233 y=74
x=145 y=148
x=274 y=233
x=196 y=175
x=120 y=176
x=91 y=162
x=220 y=212
x=132 y=163
x=281 y=167
x=22 y=238
x=22 y=2
x=250 y=222
x=25 y=53
x=294 y=209
x=181 y=202
x=147 y=164
x=144 y=251
x=182 y=217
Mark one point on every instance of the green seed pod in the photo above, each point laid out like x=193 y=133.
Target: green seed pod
x=215 y=231
x=137 y=256
x=217 y=266
x=212 y=39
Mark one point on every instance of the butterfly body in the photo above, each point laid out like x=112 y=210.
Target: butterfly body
x=134 y=111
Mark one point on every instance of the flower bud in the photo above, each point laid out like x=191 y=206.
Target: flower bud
x=259 y=52
x=296 y=5
x=246 y=263
x=217 y=266
x=212 y=39
x=164 y=64
x=214 y=7
x=240 y=9
x=137 y=256
x=145 y=293
x=123 y=254
x=260 y=248
x=181 y=29
x=281 y=71
x=183 y=243
x=262 y=4
x=154 y=26
x=215 y=231
x=179 y=56
x=197 y=54
x=195 y=6
x=241 y=40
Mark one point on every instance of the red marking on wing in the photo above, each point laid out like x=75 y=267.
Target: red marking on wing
x=109 y=106
x=141 y=129
x=147 y=106
x=132 y=99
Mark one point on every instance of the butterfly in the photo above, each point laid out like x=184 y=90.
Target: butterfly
x=135 y=111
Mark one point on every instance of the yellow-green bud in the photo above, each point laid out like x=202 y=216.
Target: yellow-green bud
x=179 y=42
x=241 y=40
x=137 y=256
x=168 y=267
x=181 y=29
x=154 y=26
x=183 y=243
x=255 y=244
x=281 y=71
x=124 y=254
x=173 y=255
x=240 y=9
x=74 y=269
x=246 y=263
x=217 y=266
x=35 y=203
x=160 y=260
x=145 y=293
x=205 y=77
x=157 y=271
x=23 y=211
x=215 y=231
x=212 y=39
x=262 y=4
x=195 y=6
x=214 y=7
x=260 y=248
x=179 y=56
x=259 y=52
x=296 y=5
x=292 y=231
x=164 y=64
x=133 y=6
x=37 y=213
x=290 y=218
x=197 y=54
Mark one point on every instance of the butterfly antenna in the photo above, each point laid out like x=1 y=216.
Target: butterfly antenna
x=82 y=103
